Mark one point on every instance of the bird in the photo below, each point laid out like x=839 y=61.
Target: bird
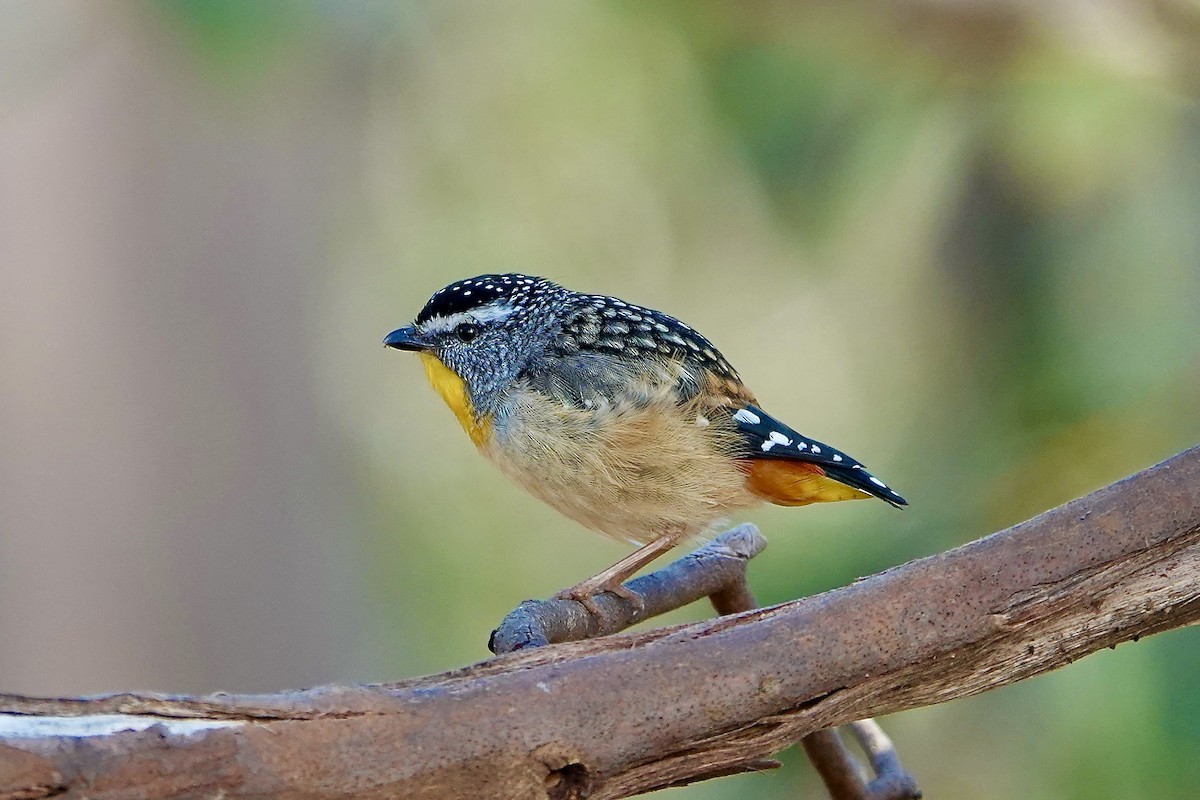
x=624 y=419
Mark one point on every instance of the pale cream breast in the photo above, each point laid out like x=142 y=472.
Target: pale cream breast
x=632 y=472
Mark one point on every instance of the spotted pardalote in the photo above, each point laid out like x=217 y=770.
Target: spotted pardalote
x=621 y=417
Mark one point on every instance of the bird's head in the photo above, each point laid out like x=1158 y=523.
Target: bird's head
x=481 y=333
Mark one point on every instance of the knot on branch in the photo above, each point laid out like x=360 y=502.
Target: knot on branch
x=568 y=782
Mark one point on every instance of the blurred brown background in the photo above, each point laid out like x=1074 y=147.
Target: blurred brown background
x=958 y=240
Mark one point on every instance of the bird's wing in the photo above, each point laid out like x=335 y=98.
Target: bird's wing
x=788 y=468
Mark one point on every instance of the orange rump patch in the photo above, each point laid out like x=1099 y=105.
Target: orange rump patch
x=794 y=483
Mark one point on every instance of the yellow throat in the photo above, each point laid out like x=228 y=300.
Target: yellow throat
x=452 y=389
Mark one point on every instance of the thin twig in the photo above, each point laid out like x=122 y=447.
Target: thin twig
x=718 y=567
x=891 y=782
x=842 y=775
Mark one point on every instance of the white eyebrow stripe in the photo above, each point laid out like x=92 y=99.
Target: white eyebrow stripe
x=492 y=312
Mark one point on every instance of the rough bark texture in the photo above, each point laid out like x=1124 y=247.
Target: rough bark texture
x=716 y=571
x=620 y=715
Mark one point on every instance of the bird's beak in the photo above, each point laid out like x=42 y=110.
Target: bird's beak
x=407 y=338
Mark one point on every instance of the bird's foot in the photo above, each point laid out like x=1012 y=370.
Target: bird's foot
x=585 y=594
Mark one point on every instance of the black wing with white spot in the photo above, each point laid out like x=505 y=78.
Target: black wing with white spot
x=635 y=333
x=767 y=437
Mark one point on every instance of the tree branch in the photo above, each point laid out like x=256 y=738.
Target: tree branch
x=839 y=771
x=716 y=571
x=624 y=714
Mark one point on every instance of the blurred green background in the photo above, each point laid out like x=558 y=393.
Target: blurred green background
x=959 y=240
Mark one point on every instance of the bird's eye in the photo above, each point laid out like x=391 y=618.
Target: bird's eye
x=466 y=332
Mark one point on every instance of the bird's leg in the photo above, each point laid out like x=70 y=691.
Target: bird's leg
x=613 y=578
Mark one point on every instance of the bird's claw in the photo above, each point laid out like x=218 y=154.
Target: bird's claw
x=585 y=594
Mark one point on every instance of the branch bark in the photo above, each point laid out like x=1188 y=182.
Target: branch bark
x=716 y=571
x=841 y=773
x=624 y=714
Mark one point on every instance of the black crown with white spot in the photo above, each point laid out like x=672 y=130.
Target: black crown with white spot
x=519 y=290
